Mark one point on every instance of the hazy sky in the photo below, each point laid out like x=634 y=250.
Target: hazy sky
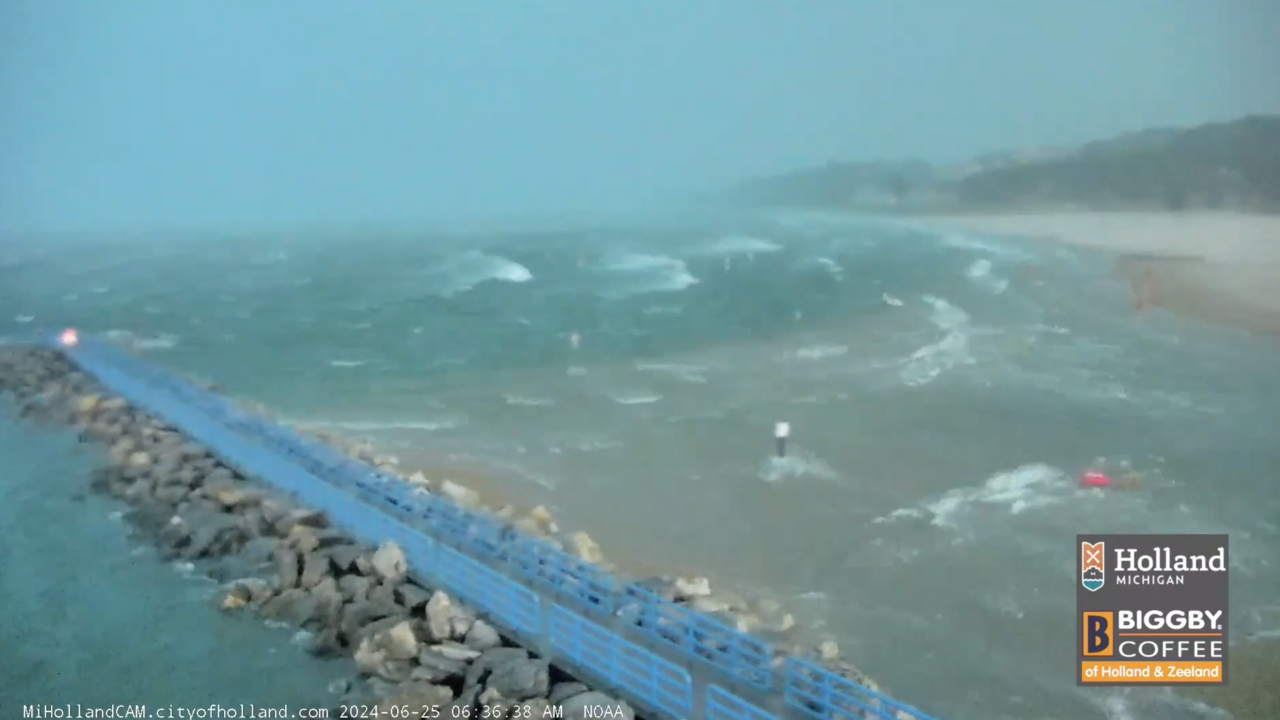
x=179 y=113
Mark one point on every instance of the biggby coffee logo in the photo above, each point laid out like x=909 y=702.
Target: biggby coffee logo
x=1093 y=566
x=1160 y=618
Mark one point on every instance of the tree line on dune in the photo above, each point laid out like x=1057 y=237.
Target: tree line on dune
x=1220 y=166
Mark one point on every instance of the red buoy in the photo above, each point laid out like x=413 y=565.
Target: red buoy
x=1094 y=478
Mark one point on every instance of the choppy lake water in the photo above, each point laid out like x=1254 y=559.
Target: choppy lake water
x=945 y=390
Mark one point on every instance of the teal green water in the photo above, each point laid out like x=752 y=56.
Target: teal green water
x=942 y=397
x=93 y=619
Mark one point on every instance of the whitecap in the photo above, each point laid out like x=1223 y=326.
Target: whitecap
x=463 y=272
x=643 y=274
x=979 y=272
x=890 y=300
x=595 y=444
x=528 y=401
x=1015 y=491
x=129 y=339
x=638 y=399
x=686 y=373
x=952 y=349
x=741 y=245
x=797 y=464
x=820 y=352
x=831 y=266
x=900 y=514
x=346 y=363
x=24 y=319
x=972 y=243
x=1051 y=329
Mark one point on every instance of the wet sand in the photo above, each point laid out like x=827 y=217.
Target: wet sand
x=1220 y=267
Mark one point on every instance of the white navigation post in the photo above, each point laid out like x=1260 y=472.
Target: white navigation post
x=781 y=431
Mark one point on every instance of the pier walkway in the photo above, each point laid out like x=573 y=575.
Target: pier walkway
x=665 y=660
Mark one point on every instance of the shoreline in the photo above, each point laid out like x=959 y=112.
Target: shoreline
x=1219 y=267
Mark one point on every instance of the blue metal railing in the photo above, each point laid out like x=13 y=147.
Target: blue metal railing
x=476 y=557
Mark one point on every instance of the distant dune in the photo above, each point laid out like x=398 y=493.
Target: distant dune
x=1219 y=166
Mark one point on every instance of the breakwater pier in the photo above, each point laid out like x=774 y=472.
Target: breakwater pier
x=441 y=605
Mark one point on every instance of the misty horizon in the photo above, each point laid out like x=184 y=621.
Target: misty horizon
x=399 y=115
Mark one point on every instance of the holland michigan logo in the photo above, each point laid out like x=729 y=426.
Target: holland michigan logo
x=1093 y=565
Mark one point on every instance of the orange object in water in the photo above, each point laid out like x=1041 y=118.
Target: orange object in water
x=1093 y=478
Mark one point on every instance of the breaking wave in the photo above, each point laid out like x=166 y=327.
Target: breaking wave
x=1009 y=492
x=980 y=273
x=637 y=274
x=741 y=245
x=463 y=272
x=950 y=350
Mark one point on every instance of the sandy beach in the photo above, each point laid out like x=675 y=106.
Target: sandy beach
x=1221 y=267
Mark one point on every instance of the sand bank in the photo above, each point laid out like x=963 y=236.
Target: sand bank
x=1222 y=267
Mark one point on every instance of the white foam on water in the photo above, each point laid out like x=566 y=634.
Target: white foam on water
x=587 y=445
x=346 y=363
x=686 y=373
x=798 y=463
x=986 y=245
x=979 y=272
x=820 y=352
x=162 y=341
x=740 y=245
x=890 y=300
x=647 y=274
x=831 y=266
x=463 y=272
x=635 y=399
x=1013 y=492
x=952 y=349
x=901 y=514
x=524 y=401
x=24 y=319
